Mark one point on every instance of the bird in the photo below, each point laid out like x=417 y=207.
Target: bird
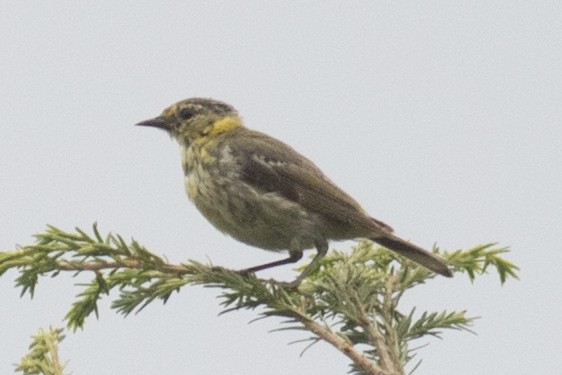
x=264 y=193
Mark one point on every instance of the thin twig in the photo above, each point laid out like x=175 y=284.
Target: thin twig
x=388 y=306
x=53 y=350
x=126 y=263
x=344 y=346
x=374 y=334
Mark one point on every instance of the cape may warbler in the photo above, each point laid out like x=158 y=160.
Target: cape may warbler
x=262 y=192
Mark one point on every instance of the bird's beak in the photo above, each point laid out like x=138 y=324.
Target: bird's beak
x=157 y=122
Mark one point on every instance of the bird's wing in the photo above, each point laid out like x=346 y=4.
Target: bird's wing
x=272 y=166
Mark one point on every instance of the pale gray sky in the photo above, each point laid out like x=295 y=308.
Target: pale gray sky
x=442 y=118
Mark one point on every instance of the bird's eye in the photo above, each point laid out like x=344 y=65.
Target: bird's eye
x=187 y=113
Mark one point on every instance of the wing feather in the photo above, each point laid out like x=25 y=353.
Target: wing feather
x=273 y=166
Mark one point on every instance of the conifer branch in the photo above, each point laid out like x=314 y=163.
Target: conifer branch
x=352 y=301
x=43 y=356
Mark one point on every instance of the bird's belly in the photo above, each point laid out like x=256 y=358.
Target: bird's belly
x=265 y=220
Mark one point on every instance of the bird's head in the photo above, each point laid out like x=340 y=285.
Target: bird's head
x=196 y=119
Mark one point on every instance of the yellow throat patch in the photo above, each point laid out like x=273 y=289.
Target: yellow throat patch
x=223 y=125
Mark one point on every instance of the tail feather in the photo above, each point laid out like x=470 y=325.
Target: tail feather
x=415 y=253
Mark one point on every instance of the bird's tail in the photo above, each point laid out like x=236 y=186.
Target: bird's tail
x=415 y=253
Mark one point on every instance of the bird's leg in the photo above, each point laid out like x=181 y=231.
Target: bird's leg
x=322 y=249
x=294 y=256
